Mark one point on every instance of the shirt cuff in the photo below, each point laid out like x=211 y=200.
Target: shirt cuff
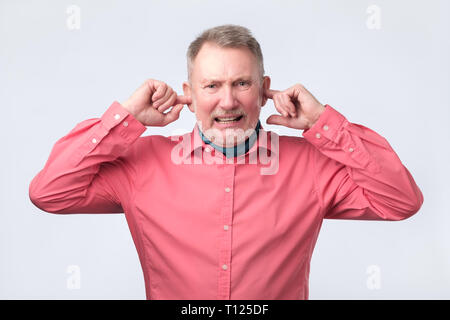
x=326 y=127
x=130 y=129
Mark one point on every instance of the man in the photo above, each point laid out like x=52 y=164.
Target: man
x=229 y=210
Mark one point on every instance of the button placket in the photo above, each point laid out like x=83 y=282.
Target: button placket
x=224 y=281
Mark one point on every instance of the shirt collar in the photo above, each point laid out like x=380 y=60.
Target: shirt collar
x=196 y=144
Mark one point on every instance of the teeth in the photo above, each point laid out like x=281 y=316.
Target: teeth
x=227 y=119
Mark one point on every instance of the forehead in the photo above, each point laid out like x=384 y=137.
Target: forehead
x=214 y=62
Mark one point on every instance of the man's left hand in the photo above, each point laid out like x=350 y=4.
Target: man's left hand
x=299 y=108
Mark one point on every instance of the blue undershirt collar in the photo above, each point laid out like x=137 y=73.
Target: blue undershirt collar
x=237 y=150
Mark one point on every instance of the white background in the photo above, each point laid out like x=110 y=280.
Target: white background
x=394 y=80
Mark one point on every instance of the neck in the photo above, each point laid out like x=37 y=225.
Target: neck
x=238 y=149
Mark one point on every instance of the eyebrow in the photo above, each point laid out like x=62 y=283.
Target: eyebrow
x=246 y=78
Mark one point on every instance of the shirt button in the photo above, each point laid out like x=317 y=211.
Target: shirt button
x=227 y=189
x=208 y=149
x=117 y=116
x=225 y=227
x=325 y=127
x=224 y=267
x=125 y=124
x=350 y=149
x=94 y=140
x=318 y=135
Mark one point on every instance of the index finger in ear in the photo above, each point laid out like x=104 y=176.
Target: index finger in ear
x=183 y=100
x=270 y=93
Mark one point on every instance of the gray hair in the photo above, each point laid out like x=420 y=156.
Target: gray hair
x=226 y=36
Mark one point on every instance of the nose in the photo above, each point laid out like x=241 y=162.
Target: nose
x=227 y=98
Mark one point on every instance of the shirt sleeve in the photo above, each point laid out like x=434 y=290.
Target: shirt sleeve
x=86 y=171
x=358 y=174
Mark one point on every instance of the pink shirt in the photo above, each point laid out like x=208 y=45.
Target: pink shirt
x=208 y=229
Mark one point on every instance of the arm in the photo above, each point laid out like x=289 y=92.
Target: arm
x=359 y=176
x=85 y=171
x=89 y=169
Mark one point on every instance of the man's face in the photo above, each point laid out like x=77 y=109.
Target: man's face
x=227 y=93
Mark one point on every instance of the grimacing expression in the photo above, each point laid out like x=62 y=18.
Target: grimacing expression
x=227 y=93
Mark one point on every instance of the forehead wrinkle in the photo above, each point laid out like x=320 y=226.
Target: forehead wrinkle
x=217 y=79
x=220 y=71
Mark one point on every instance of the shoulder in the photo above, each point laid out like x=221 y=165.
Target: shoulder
x=289 y=147
x=151 y=142
x=154 y=147
x=289 y=142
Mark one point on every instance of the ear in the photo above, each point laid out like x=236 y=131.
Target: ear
x=187 y=90
x=265 y=86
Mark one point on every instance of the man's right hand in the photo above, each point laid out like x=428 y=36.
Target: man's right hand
x=148 y=103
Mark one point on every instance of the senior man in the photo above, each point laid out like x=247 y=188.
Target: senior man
x=229 y=210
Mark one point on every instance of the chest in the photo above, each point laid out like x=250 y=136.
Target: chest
x=196 y=202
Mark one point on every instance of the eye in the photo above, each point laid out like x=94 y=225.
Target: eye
x=210 y=86
x=243 y=83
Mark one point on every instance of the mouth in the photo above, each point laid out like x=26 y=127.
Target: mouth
x=229 y=119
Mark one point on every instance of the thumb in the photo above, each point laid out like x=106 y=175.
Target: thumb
x=278 y=120
x=173 y=114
